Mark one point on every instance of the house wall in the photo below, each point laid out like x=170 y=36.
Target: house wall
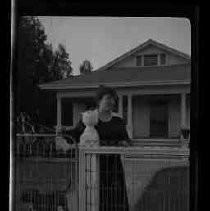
x=131 y=60
x=173 y=60
x=151 y=50
x=174 y=117
x=128 y=62
x=141 y=110
x=141 y=117
x=78 y=108
x=188 y=112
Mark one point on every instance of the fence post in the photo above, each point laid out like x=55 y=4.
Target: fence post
x=88 y=181
x=82 y=179
x=95 y=182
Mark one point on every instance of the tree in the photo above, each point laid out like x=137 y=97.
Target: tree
x=30 y=65
x=85 y=67
x=37 y=63
x=61 y=65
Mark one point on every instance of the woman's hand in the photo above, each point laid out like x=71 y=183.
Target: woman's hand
x=62 y=144
x=125 y=143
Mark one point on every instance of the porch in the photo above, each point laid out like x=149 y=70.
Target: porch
x=151 y=115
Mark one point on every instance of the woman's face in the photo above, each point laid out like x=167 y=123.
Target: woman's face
x=107 y=103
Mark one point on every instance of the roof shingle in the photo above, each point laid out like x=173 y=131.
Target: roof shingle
x=125 y=75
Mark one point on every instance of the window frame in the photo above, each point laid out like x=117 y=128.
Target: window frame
x=125 y=108
x=160 y=59
x=142 y=63
x=145 y=55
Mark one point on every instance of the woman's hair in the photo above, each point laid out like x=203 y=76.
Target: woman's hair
x=105 y=90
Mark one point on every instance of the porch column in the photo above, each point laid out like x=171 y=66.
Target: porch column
x=158 y=59
x=183 y=109
x=130 y=121
x=58 y=112
x=120 y=106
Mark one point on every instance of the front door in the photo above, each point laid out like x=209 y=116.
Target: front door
x=159 y=120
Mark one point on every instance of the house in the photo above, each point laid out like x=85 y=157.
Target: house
x=153 y=85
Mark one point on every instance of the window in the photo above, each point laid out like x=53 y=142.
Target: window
x=159 y=120
x=162 y=59
x=150 y=60
x=67 y=112
x=139 y=61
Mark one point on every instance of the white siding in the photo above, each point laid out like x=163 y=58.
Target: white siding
x=78 y=108
x=140 y=118
x=151 y=50
x=128 y=62
x=188 y=112
x=174 y=118
x=171 y=59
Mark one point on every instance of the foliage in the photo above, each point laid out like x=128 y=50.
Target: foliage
x=37 y=63
x=61 y=66
x=85 y=67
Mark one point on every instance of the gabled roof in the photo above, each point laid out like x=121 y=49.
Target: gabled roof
x=142 y=46
x=126 y=77
x=129 y=76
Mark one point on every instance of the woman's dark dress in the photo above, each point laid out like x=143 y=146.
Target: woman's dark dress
x=113 y=195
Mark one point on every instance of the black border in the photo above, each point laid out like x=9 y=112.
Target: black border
x=125 y=9
x=117 y=9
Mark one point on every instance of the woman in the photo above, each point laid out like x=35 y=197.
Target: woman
x=112 y=131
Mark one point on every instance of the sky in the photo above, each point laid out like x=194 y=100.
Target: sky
x=102 y=39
